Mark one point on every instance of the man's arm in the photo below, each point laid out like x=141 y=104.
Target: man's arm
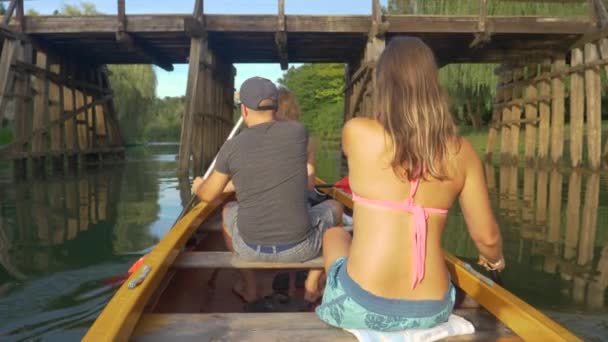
x=210 y=189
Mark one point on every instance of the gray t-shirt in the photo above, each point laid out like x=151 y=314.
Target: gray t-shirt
x=267 y=164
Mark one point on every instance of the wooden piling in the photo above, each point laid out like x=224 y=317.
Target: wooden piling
x=505 y=138
x=54 y=103
x=495 y=122
x=518 y=74
x=40 y=114
x=593 y=110
x=198 y=51
x=70 y=125
x=577 y=108
x=531 y=114
x=589 y=220
x=10 y=50
x=544 y=133
x=557 y=110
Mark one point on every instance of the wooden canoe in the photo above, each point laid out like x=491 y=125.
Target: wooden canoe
x=183 y=298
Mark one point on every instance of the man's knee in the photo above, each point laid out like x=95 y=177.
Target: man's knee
x=337 y=210
x=227 y=216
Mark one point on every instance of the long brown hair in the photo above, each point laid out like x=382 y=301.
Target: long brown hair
x=413 y=109
x=288 y=106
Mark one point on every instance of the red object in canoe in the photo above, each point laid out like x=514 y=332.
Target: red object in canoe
x=344 y=184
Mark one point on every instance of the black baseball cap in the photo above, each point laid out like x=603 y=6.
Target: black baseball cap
x=257 y=89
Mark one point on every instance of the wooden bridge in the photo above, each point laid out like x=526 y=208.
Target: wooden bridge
x=58 y=64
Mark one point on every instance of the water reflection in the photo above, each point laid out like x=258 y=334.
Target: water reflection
x=64 y=239
x=555 y=227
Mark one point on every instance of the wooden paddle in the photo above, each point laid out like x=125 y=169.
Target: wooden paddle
x=194 y=198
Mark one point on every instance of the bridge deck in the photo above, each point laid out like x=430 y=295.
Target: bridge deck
x=250 y=38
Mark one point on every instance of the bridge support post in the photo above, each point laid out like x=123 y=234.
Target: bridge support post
x=507 y=95
x=496 y=114
x=209 y=106
x=514 y=127
x=558 y=109
x=577 y=108
x=593 y=107
x=360 y=76
x=531 y=114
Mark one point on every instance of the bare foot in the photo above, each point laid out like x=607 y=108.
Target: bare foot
x=246 y=295
x=312 y=291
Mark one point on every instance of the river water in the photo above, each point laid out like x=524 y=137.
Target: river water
x=65 y=238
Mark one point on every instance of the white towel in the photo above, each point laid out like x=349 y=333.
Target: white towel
x=455 y=325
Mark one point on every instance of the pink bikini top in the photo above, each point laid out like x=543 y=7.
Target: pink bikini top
x=419 y=225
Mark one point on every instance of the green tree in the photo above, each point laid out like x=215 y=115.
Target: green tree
x=134 y=88
x=166 y=119
x=2 y=9
x=318 y=88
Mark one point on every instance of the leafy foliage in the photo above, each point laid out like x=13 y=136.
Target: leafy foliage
x=6 y=136
x=134 y=88
x=165 y=119
x=318 y=88
x=468 y=7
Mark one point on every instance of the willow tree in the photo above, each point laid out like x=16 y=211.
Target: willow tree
x=472 y=86
x=134 y=88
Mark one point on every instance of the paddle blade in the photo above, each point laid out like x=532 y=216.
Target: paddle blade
x=136 y=265
x=344 y=184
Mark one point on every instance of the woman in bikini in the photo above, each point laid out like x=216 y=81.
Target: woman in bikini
x=407 y=166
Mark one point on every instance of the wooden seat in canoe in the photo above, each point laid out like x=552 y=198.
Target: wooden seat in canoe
x=230 y=260
x=292 y=327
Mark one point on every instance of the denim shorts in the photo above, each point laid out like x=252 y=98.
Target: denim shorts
x=322 y=217
x=346 y=305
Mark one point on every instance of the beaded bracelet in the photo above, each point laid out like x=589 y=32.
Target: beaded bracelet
x=491 y=266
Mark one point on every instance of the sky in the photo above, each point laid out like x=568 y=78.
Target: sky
x=174 y=83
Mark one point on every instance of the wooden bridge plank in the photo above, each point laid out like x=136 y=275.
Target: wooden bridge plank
x=229 y=260
x=293 y=327
x=305 y=23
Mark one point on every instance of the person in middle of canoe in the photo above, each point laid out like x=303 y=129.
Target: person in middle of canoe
x=289 y=109
x=407 y=166
x=267 y=164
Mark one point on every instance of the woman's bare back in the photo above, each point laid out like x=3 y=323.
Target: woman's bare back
x=381 y=254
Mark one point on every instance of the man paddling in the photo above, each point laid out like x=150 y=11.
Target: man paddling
x=272 y=220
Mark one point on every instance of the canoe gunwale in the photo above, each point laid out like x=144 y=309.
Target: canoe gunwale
x=118 y=319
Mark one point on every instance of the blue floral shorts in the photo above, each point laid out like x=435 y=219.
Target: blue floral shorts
x=346 y=305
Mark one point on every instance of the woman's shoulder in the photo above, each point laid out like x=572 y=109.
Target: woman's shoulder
x=466 y=156
x=463 y=148
x=362 y=125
